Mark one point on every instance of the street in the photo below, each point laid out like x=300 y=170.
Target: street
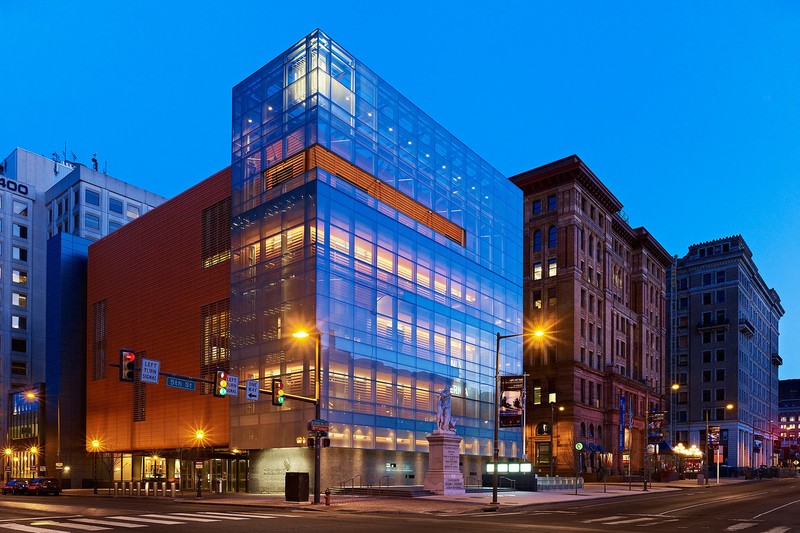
x=768 y=506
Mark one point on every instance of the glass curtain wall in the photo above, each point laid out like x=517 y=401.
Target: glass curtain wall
x=403 y=308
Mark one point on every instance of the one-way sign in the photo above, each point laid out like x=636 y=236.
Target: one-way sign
x=251 y=391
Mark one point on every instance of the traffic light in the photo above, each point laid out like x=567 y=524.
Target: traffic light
x=310 y=442
x=127 y=365
x=277 y=392
x=220 y=383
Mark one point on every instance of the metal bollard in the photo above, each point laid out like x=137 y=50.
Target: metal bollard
x=172 y=489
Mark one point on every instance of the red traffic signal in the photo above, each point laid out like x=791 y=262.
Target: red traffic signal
x=127 y=365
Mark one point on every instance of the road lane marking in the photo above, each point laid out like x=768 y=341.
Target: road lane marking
x=190 y=516
x=699 y=505
x=233 y=516
x=741 y=525
x=779 y=529
x=146 y=520
x=31 y=529
x=660 y=522
x=106 y=522
x=84 y=527
x=628 y=521
x=601 y=519
x=771 y=510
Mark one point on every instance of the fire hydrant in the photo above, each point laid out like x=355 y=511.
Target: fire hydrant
x=327 y=496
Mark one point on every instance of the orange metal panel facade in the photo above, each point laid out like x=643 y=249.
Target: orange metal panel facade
x=150 y=275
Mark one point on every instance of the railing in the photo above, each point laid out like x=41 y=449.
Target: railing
x=371 y=486
x=511 y=483
x=473 y=482
x=545 y=483
x=352 y=481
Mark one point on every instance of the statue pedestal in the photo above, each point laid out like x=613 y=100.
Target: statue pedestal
x=444 y=476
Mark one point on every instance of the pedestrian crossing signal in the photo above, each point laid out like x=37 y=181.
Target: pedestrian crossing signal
x=127 y=365
x=220 y=384
x=277 y=392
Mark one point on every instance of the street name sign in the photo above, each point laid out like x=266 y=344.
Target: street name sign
x=150 y=369
x=184 y=384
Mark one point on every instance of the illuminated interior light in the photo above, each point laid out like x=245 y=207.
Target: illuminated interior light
x=409 y=142
x=391 y=129
x=444 y=166
x=249 y=120
x=427 y=155
x=269 y=108
x=369 y=114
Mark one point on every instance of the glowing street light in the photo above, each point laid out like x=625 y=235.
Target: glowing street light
x=302 y=334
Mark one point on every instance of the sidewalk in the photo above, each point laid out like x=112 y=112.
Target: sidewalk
x=462 y=504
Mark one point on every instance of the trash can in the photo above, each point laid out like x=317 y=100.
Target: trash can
x=296 y=486
x=701 y=479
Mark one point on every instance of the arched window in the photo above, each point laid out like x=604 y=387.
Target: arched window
x=600 y=433
x=537 y=241
x=591 y=430
x=543 y=429
x=552 y=238
x=583 y=429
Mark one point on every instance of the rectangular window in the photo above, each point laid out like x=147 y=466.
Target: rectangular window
x=19 y=368
x=537 y=207
x=537 y=271
x=19 y=254
x=20 y=208
x=20 y=300
x=720 y=355
x=92 y=197
x=19 y=276
x=720 y=296
x=92 y=221
x=19 y=231
x=706 y=376
x=706 y=356
x=115 y=205
x=552 y=268
x=216 y=233
x=113 y=226
x=133 y=211
x=551 y=202
x=720 y=395
x=706 y=395
x=19 y=345
x=19 y=322
x=215 y=351
x=551 y=297
x=537 y=299
x=707 y=298
x=720 y=374
x=721 y=276
x=706 y=337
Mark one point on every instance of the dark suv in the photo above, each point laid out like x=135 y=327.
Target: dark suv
x=43 y=485
x=15 y=486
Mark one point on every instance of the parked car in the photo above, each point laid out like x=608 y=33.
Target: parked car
x=15 y=486
x=43 y=485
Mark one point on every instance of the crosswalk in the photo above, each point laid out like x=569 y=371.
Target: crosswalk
x=654 y=520
x=83 y=523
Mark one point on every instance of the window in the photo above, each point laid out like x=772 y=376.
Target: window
x=18 y=299
x=113 y=226
x=216 y=232
x=537 y=241
x=720 y=374
x=720 y=296
x=683 y=284
x=706 y=376
x=20 y=254
x=706 y=356
x=552 y=237
x=707 y=298
x=720 y=355
x=683 y=303
x=551 y=202
x=706 y=337
x=19 y=345
x=552 y=268
x=720 y=395
x=537 y=207
x=20 y=208
x=537 y=299
x=133 y=211
x=20 y=231
x=551 y=297
x=537 y=271
x=19 y=276
x=721 y=276
x=115 y=205
x=706 y=395
x=721 y=335
x=19 y=322
x=92 y=221
x=92 y=197
x=19 y=368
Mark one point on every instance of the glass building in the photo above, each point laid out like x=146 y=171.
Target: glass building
x=356 y=215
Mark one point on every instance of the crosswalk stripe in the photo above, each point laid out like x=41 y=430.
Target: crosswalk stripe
x=31 y=529
x=601 y=519
x=190 y=517
x=741 y=525
x=660 y=522
x=628 y=521
x=106 y=522
x=147 y=520
x=84 y=527
x=236 y=516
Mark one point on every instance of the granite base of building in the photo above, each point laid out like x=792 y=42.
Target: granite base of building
x=444 y=475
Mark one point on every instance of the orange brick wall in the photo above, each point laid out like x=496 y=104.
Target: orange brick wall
x=150 y=273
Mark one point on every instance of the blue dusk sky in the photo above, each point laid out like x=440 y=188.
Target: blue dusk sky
x=688 y=111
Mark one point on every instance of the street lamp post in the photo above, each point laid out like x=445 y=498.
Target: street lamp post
x=496 y=454
x=95 y=448
x=199 y=437
x=317 y=407
x=553 y=455
x=9 y=452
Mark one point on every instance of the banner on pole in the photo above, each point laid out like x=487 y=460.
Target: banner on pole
x=512 y=403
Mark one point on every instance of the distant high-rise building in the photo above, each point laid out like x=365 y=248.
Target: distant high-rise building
x=726 y=355
x=43 y=200
x=596 y=288
x=787 y=443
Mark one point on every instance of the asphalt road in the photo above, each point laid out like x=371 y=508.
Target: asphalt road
x=767 y=506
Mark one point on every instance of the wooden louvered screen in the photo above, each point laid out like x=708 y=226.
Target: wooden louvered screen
x=317 y=156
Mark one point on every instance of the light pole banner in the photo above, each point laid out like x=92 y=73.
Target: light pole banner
x=655 y=430
x=511 y=401
x=621 y=423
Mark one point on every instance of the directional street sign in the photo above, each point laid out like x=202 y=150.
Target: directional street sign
x=150 y=368
x=233 y=385
x=252 y=389
x=178 y=383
